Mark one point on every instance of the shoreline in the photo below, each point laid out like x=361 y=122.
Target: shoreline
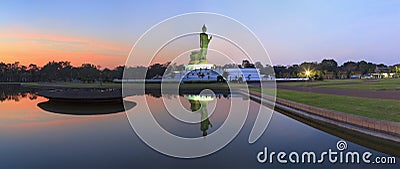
x=335 y=123
x=364 y=122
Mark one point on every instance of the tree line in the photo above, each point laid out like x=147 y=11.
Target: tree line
x=64 y=71
x=89 y=73
x=329 y=68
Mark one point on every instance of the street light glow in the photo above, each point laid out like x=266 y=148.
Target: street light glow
x=308 y=73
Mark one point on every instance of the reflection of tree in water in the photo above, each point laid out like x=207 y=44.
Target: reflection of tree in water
x=16 y=93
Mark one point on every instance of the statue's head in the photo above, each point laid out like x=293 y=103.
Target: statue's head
x=204 y=28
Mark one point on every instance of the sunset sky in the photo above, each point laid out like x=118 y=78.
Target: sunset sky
x=103 y=32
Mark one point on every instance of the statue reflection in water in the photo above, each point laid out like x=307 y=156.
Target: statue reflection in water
x=198 y=103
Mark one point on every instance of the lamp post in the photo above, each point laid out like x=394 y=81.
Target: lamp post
x=101 y=74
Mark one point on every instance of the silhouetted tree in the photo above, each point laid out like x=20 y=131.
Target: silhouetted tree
x=156 y=70
x=349 y=67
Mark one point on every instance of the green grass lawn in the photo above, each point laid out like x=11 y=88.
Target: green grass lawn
x=354 y=84
x=373 y=108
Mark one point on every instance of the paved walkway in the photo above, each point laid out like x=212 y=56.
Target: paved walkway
x=383 y=94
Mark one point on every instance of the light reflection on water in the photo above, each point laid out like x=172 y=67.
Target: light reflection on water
x=32 y=137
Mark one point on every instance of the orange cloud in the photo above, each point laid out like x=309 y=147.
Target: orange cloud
x=41 y=48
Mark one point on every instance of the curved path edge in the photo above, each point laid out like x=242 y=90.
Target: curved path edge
x=382 y=129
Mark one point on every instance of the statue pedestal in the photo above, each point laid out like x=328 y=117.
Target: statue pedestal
x=199 y=66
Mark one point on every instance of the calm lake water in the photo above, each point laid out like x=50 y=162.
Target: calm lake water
x=31 y=137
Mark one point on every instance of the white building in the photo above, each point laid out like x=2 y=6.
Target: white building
x=201 y=75
x=243 y=74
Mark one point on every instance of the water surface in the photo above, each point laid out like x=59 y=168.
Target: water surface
x=31 y=137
